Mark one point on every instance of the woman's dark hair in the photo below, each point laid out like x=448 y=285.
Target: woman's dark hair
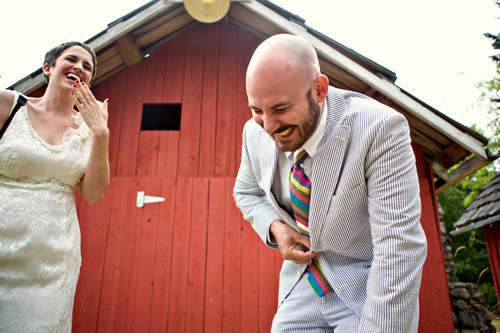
x=54 y=53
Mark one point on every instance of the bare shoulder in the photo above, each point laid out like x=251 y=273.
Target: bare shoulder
x=6 y=101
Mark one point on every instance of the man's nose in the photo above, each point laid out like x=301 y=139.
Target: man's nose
x=270 y=122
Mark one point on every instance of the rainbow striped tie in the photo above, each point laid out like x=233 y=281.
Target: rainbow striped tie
x=300 y=194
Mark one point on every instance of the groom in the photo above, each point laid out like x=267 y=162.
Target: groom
x=328 y=177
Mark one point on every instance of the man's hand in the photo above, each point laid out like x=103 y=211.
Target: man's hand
x=288 y=240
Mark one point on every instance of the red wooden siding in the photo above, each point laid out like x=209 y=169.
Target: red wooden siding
x=435 y=305
x=189 y=145
x=187 y=265
x=492 y=238
x=215 y=237
x=206 y=163
x=204 y=69
x=191 y=263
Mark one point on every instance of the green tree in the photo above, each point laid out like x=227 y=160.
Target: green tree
x=469 y=249
x=470 y=254
x=490 y=92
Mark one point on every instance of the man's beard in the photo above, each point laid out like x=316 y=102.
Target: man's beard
x=305 y=128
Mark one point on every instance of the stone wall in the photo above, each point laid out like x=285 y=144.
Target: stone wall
x=469 y=313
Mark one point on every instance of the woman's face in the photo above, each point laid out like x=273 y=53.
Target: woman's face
x=74 y=63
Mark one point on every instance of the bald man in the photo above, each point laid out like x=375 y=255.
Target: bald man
x=346 y=215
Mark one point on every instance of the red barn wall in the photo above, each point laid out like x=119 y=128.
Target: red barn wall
x=191 y=263
x=492 y=237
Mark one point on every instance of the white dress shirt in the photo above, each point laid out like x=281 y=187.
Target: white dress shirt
x=285 y=162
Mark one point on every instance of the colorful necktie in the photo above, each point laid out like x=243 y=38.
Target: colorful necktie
x=300 y=194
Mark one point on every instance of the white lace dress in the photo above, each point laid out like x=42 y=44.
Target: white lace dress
x=39 y=232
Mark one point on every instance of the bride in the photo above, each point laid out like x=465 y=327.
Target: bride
x=47 y=150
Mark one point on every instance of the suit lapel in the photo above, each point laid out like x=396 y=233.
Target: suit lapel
x=328 y=163
x=268 y=154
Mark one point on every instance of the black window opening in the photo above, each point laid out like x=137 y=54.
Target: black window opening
x=161 y=117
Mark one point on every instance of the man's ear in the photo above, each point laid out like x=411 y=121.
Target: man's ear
x=321 y=87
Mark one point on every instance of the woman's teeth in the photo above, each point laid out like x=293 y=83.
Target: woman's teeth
x=72 y=77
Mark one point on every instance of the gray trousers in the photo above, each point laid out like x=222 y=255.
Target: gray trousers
x=303 y=311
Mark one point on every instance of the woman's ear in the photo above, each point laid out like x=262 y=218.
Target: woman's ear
x=321 y=85
x=46 y=69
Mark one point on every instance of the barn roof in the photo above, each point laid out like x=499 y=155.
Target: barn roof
x=484 y=210
x=129 y=39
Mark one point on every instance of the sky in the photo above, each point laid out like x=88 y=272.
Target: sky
x=436 y=48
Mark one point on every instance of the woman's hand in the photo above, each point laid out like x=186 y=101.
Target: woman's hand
x=93 y=113
x=96 y=178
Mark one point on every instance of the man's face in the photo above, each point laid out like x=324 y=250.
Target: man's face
x=289 y=118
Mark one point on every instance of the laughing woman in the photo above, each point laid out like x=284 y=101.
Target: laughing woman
x=47 y=150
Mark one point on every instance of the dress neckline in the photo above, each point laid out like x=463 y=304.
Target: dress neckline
x=34 y=133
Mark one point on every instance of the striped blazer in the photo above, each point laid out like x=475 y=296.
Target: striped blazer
x=364 y=216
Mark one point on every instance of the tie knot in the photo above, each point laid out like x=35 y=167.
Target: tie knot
x=300 y=157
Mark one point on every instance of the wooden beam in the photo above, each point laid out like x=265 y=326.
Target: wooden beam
x=30 y=84
x=128 y=50
x=464 y=170
x=424 y=141
x=429 y=150
x=253 y=22
x=108 y=66
x=173 y=25
x=122 y=28
x=440 y=171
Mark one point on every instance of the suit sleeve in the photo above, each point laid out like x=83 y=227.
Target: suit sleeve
x=250 y=198
x=399 y=243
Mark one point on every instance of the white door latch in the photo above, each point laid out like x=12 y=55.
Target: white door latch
x=143 y=199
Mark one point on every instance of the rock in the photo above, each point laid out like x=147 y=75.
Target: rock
x=461 y=304
x=460 y=293
x=469 y=319
x=477 y=296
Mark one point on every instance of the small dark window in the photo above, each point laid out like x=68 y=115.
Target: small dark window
x=161 y=117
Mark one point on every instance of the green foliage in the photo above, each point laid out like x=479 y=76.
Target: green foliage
x=470 y=254
x=488 y=291
x=469 y=249
x=473 y=184
x=490 y=92
x=456 y=198
x=473 y=259
x=451 y=200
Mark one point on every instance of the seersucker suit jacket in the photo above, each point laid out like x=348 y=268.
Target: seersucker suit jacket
x=364 y=216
